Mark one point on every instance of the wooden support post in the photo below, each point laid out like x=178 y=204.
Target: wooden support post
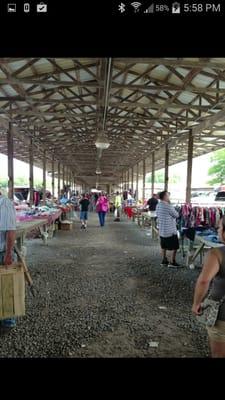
x=66 y=176
x=44 y=178
x=31 y=175
x=128 y=178
x=58 y=180
x=137 y=180
x=166 y=180
x=132 y=180
x=10 y=163
x=153 y=173
x=63 y=180
x=144 y=174
x=189 y=167
x=53 y=176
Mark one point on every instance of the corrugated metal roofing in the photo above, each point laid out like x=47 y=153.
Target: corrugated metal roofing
x=71 y=121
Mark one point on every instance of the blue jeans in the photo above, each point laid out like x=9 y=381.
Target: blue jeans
x=9 y=322
x=101 y=216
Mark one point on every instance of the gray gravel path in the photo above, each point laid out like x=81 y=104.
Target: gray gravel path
x=99 y=293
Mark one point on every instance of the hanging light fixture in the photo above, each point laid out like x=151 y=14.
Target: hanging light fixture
x=102 y=141
x=98 y=171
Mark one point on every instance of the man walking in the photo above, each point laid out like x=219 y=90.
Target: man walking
x=7 y=240
x=167 y=215
x=84 y=202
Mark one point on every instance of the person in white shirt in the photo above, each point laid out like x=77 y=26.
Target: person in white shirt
x=166 y=217
x=7 y=240
x=117 y=204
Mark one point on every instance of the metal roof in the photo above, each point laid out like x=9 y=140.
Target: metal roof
x=142 y=104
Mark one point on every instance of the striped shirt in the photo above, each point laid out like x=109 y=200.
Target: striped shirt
x=166 y=219
x=7 y=220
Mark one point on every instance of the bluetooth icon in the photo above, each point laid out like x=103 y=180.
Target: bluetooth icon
x=122 y=7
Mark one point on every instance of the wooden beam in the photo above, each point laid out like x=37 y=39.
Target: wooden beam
x=63 y=176
x=59 y=173
x=31 y=171
x=144 y=176
x=132 y=180
x=44 y=178
x=137 y=182
x=153 y=172
x=128 y=178
x=53 y=176
x=189 y=167
x=166 y=180
x=113 y=104
x=175 y=62
x=60 y=84
x=10 y=162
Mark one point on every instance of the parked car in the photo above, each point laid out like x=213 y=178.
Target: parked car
x=220 y=196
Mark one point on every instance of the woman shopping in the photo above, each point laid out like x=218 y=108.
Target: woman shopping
x=102 y=207
x=213 y=272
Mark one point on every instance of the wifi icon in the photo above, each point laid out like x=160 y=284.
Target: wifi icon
x=136 y=5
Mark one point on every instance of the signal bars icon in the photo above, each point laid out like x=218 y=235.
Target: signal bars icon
x=136 y=6
x=150 y=9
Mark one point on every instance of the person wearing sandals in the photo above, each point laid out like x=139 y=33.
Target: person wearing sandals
x=213 y=273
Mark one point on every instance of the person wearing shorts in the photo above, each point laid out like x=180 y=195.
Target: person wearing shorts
x=166 y=216
x=84 y=203
x=213 y=271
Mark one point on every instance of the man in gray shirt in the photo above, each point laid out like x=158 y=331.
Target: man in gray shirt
x=7 y=239
x=167 y=215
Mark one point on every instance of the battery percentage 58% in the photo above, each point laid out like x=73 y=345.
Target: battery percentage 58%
x=161 y=8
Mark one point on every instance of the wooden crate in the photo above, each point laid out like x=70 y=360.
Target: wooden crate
x=66 y=225
x=12 y=291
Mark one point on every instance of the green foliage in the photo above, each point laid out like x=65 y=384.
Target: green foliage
x=159 y=178
x=21 y=181
x=217 y=170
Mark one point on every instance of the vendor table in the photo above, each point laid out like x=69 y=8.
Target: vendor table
x=46 y=225
x=201 y=245
x=145 y=216
x=22 y=228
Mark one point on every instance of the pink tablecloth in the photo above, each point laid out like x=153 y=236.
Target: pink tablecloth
x=50 y=218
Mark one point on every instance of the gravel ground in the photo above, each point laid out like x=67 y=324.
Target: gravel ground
x=98 y=295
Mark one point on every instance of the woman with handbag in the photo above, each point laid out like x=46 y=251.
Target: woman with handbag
x=102 y=207
x=212 y=310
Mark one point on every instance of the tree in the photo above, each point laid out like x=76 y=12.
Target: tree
x=159 y=178
x=217 y=170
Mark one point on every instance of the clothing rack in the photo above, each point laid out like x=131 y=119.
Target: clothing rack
x=209 y=205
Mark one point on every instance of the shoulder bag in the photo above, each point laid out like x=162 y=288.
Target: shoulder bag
x=209 y=311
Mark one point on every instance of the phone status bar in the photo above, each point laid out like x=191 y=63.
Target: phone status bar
x=158 y=8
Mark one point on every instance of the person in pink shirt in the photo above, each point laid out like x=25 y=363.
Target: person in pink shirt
x=102 y=207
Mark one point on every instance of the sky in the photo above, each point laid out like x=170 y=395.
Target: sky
x=199 y=171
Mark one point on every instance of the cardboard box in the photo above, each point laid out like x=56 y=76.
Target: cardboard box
x=66 y=225
x=12 y=291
